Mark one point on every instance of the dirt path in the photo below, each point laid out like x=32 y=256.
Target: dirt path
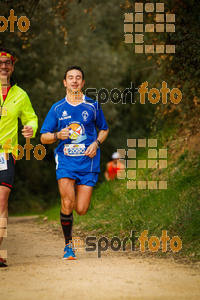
x=36 y=270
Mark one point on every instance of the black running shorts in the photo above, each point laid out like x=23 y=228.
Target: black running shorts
x=7 y=176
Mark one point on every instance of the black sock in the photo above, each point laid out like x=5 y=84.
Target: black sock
x=67 y=223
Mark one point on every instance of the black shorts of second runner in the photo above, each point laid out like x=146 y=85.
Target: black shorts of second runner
x=89 y=179
x=7 y=176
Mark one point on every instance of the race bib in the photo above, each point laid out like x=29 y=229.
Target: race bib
x=74 y=149
x=3 y=162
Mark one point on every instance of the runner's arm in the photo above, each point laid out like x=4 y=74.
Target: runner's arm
x=28 y=119
x=92 y=149
x=106 y=173
x=102 y=135
x=49 y=138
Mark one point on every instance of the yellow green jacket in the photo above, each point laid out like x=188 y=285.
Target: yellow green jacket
x=16 y=105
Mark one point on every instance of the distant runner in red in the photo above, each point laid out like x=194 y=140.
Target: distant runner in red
x=113 y=167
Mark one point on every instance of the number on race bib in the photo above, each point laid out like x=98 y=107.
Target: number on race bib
x=74 y=149
x=3 y=162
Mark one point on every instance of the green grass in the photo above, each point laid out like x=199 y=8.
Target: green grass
x=114 y=210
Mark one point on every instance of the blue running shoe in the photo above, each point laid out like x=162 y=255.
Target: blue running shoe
x=69 y=252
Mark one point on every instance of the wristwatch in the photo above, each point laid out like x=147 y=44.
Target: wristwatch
x=55 y=136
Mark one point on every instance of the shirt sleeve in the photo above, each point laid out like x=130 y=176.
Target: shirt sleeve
x=50 y=123
x=28 y=116
x=100 y=119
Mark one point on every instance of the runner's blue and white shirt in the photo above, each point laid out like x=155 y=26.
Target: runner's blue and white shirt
x=82 y=121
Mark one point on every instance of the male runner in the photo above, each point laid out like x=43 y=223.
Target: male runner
x=14 y=104
x=73 y=121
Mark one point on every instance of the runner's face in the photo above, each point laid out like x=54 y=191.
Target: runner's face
x=74 y=81
x=6 y=70
x=115 y=161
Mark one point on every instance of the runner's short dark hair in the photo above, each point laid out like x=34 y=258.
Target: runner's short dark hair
x=74 y=68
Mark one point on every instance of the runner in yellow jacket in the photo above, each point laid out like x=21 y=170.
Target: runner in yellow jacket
x=14 y=104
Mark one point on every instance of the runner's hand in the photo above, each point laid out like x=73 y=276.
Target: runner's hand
x=63 y=134
x=27 y=131
x=91 y=151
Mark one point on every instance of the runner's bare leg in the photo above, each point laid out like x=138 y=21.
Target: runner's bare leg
x=82 y=200
x=4 y=195
x=67 y=193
